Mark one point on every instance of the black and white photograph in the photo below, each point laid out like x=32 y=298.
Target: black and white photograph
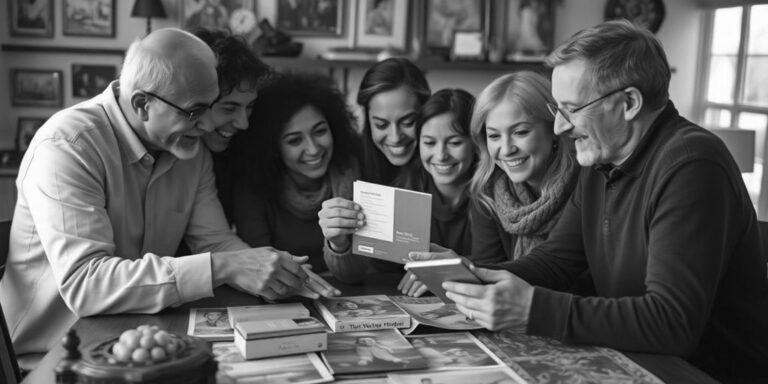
x=25 y=131
x=311 y=17
x=37 y=87
x=90 y=80
x=382 y=23
x=433 y=312
x=210 y=323
x=30 y=18
x=453 y=350
x=444 y=17
x=371 y=351
x=481 y=376
x=530 y=27
x=93 y=18
x=294 y=369
x=362 y=306
x=238 y=16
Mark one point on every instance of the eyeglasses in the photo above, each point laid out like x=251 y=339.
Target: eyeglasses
x=192 y=115
x=554 y=109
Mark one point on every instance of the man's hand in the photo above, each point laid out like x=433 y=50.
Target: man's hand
x=504 y=303
x=316 y=286
x=263 y=271
x=339 y=218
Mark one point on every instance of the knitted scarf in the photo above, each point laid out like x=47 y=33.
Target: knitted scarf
x=305 y=204
x=528 y=218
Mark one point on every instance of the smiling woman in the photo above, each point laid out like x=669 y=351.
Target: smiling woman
x=525 y=174
x=301 y=151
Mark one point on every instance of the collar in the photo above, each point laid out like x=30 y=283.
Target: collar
x=126 y=135
x=635 y=163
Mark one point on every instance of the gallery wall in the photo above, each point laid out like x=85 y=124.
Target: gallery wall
x=679 y=33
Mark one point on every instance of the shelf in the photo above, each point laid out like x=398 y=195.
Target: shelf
x=61 y=49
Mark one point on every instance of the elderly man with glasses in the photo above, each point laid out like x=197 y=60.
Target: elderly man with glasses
x=661 y=220
x=110 y=187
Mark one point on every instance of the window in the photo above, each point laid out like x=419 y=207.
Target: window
x=735 y=74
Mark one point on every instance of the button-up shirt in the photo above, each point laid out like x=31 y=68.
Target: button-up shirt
x=97 y=221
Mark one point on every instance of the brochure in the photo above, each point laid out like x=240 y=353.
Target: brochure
x=397 y=221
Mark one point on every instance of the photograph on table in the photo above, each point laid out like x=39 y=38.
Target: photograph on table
x=210 y=324
x=25 y=131
x=382 y=23
x=30 y=18
x=434 y=313
x=239 y=16
x=361 y=306
x=454 y=350
x=371 y=351
x=90 y=80
x=37 y=87
x=480 y=376
x=94 y=18
x=311 y=17
x=530 y=28
x=533 y=356
x=444 y=17
x=295 y=369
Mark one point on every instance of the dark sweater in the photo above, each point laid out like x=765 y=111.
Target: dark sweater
x=671 y=240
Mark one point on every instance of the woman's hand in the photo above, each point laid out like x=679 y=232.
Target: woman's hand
x=411 y=286
x=505 y=302
x=339 y=218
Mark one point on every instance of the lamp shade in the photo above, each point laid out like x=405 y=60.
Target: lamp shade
x=148 y=8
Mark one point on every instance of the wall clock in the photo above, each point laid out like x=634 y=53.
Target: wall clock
x=645 y=13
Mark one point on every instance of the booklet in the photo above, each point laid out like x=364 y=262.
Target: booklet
x=397 y=221
x=360 y=313
x=430 y=311
x=454 y=350
x=370 y=353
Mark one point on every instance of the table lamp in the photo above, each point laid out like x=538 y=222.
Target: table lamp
x=148 y=9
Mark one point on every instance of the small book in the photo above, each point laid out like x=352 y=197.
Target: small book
x=361 y=313
x=434 y=272
x=397 y=221
x=279 y=337
x=266 y=312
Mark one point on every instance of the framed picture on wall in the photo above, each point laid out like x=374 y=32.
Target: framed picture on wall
x=32 y=18
x=90 y=80
x=239 y=16
x=36 y=87
x=444 y=17
x=382 y=23
x=95 y=18
x=26 y=130
x=311 y=17
x=530 y=28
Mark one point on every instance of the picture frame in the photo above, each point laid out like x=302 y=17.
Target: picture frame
x=382 y=23
x=25 y=130
x=94 y=18
x=311 y=18
x=238 y=16
x=30 y=18
x=444 y=17
x=37 y=87
x=90 y=80
x=530 y=29
x=468 y=45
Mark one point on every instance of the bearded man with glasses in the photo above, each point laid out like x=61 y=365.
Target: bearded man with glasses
x=109 y=188
x=660 y=218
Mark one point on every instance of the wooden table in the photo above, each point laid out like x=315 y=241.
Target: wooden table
x=670 y=369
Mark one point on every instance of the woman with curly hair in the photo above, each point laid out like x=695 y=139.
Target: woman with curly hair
x=301 y=151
